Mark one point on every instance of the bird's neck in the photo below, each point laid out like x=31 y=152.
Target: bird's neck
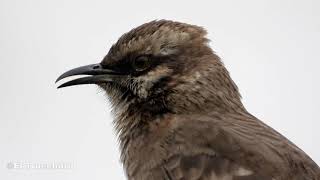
x=133 y=122
x=133 y=125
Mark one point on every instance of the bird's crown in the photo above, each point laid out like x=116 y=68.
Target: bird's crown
x=159 y=38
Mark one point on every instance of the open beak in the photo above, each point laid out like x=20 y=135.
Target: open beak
x=97 y=72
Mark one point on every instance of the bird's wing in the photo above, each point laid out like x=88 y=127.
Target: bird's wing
x=206 y=167
x=209 y=148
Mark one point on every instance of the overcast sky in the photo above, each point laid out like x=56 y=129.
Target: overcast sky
x=270 y=47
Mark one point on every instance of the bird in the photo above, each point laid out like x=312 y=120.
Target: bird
x=178 y=115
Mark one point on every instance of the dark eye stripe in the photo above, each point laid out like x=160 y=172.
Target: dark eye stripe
x=141 y=63
x=125 y=66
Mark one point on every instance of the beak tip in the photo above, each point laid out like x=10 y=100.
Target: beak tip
x=62 y=85
x=59 y=87
x=59 y=78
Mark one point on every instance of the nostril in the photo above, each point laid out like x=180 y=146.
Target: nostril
x=96 y=67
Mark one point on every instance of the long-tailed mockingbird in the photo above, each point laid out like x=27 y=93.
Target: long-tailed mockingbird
x=179 y=115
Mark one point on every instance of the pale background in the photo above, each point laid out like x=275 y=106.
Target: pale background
x=271 y=48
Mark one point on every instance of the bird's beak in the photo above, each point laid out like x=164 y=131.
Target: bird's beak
x=98 y=74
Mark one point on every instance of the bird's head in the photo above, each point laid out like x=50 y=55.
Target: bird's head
x=161 y=66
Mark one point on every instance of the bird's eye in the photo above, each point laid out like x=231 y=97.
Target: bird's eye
x=141 y=63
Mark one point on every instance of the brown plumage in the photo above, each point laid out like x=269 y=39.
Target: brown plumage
x=179 y=115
